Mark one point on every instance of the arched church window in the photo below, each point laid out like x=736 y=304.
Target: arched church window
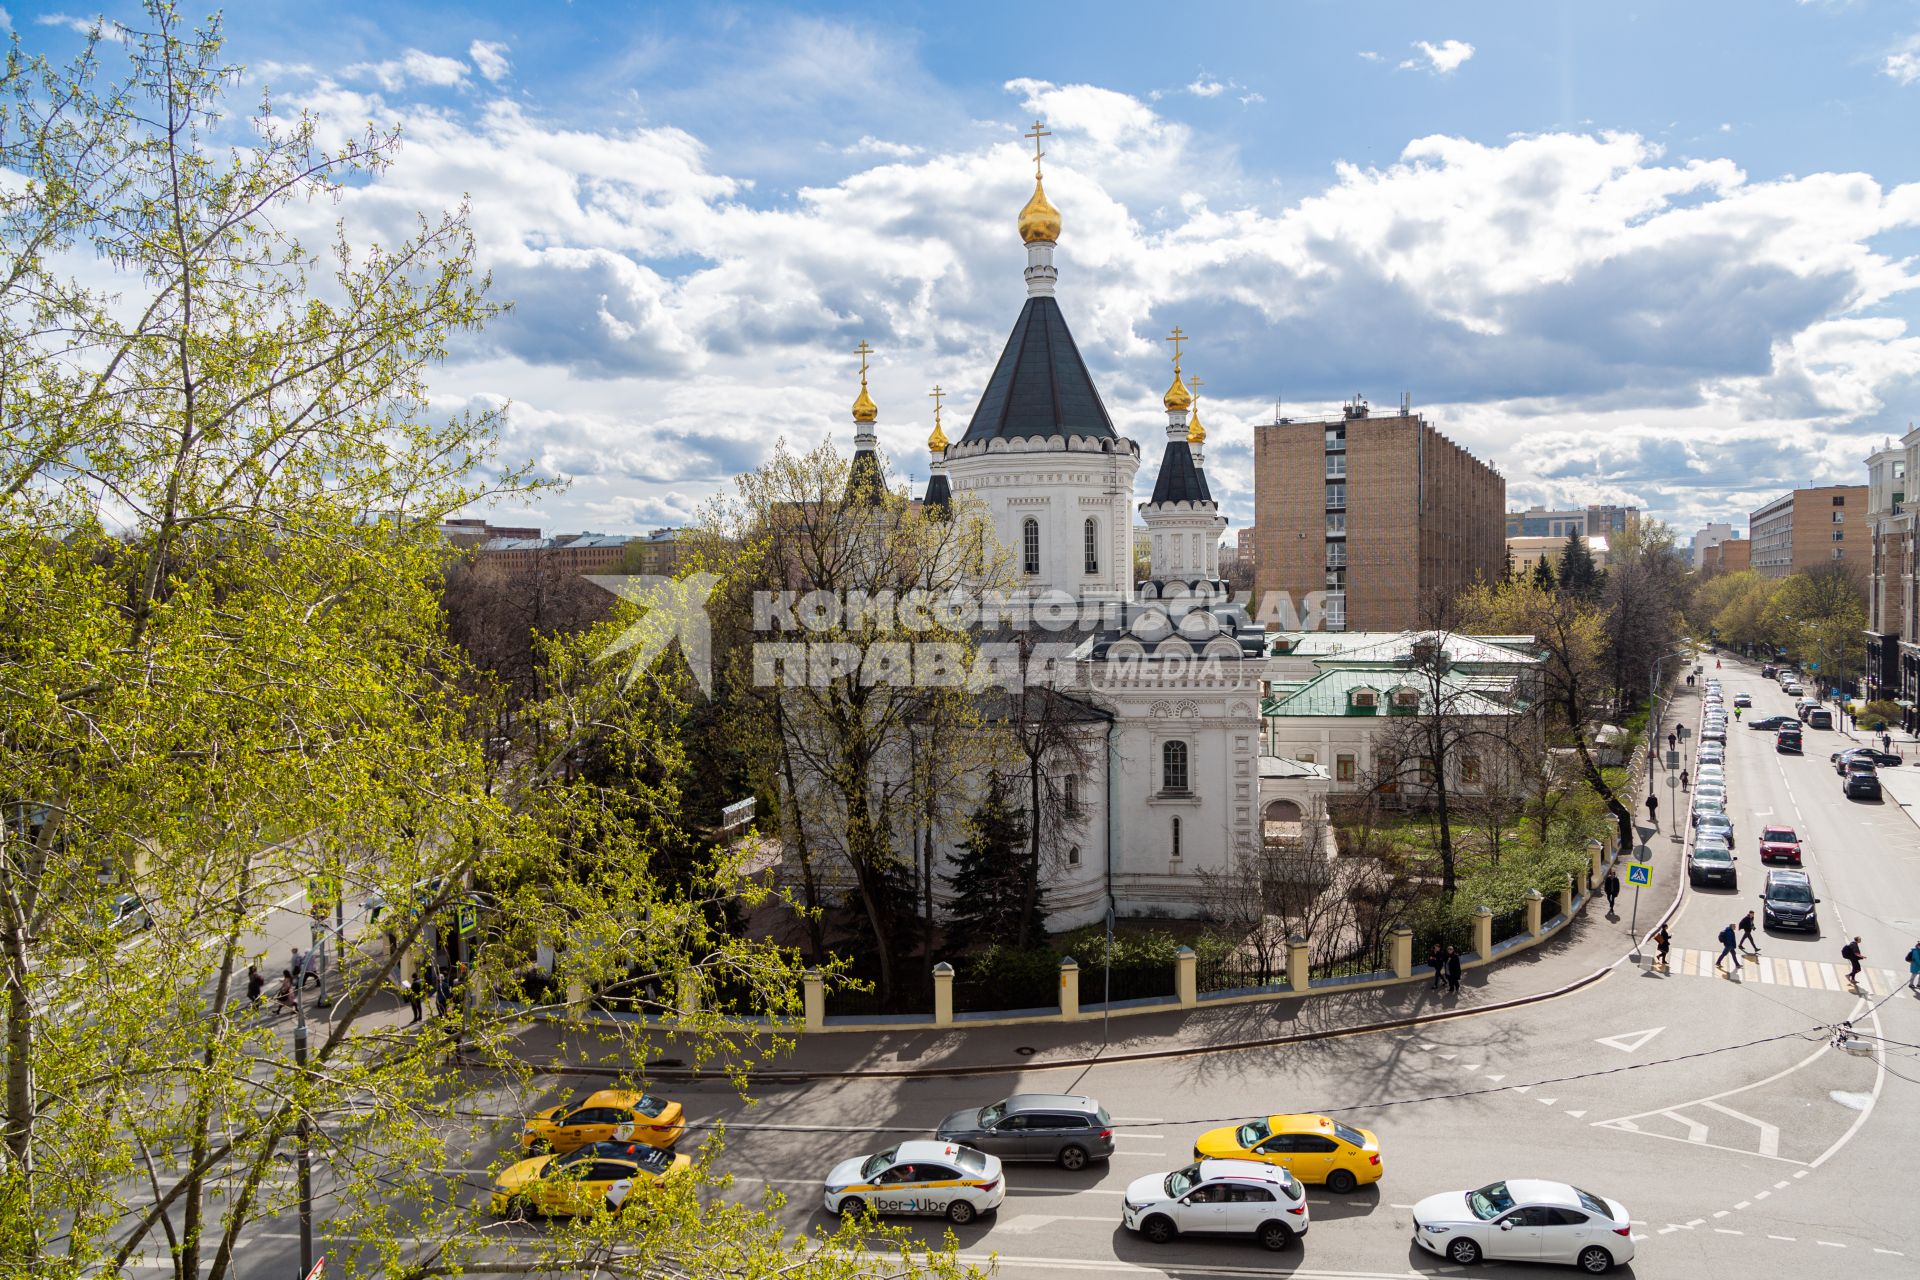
x=1176 y=837
x=1030 y=545
x=1173 y=766
x=1090 y=541
x=1070 y=794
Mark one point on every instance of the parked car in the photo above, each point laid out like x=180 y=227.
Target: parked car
x=1767 y=672
x=1709 y=774
x=1714 y=733
x=1820 y=718
x=1059 y=1128
x=1713 y=823
x=1526 y=1221
x=128 y=913
x=1872 y=755
x=1218 y=1197
x=1710 y=797
x=1793 y=689
x=1711 y=862
x=1713 y=753
x=1787 y=902
x=1771 y=723
x=1780 y=844
x=1787 y=742
x=1861 y=784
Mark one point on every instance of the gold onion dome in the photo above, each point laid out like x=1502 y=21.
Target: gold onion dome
x=1039 y=220
x=1196 y=434
x=864 y=409
x=1178 y=398
x=938 y=440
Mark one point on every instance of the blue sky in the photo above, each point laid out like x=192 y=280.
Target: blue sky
x=1651 y=254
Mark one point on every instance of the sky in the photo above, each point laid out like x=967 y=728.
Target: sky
x=1659 y=253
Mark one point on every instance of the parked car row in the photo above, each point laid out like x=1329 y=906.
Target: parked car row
x=1710 y=859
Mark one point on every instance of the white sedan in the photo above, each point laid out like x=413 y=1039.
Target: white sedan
x=941 y=1179
x=1218 y=1197
x=1525 y=1220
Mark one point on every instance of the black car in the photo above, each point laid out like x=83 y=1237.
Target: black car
x=1772 y=723
x=1711 y=862
x=1787 y=902
x=1788 y=742
x=1861 y=784
x=1872 y=755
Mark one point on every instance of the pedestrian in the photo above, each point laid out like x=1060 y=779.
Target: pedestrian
x=1437 y=960
x=1453 y=971
x=1683 y=779
x=1728 y=949
x=442 y=993
x=414 y=996
x=1853 y=955
x=1886 y=743
x=1663 y=940
x=254 y=983
x=1612 y=885
x=317 y=968
x=1736 y=713
x=1653 y=810
x=284 y=998
x=1673 y=741
x=1746 y=933
x=298 y=967
x=1913 y=968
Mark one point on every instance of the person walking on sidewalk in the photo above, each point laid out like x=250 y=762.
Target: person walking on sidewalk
x=415 y=998
x=1453 y=971
x=1437 y=960
x=1886 y=743
x=1853 y=955
x=1913 y=968
x=1612 y=886
x=1663 y=941
x=1683 y=779
x=254 y=983
x=285 y=998
x=1746 y=933
x=1728 y=949
x=1653 y=810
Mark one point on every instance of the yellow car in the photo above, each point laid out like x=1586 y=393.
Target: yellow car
x=1313 y=1149
x=611 y=1115
x=586 y=1180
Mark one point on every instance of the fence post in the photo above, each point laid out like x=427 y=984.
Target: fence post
x=1534 y=899
x=1483 y=932
x=814 y=996
x=1401 y=936
x=1298 y=974
x=1186 y=977
x=1594 y=876
x=1566 y=899
x=1069 y=989
x=943 y=994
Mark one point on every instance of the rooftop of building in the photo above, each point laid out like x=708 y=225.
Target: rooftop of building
x=1331 y=694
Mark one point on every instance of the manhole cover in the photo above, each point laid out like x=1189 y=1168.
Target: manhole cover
x=1026 y=1051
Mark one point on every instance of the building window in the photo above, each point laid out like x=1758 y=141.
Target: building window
x=1073 y=856
x=1839 y=517
x=1337 y=497
x=1336 y=438
x=1365 y=698
x=1173 y=767
x=1090 y=542
x=1030 y=544
x=1840 y=501
x=1336 y=465
x=1839 y=535
x=1470 y=768
x=1336 y=555
x=1336 y=522
x=1176 y=837
x=1070 y=794
x=1343 y=768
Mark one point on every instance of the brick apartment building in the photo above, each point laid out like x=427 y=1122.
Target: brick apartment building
x=1379 y=513
x=1806 y=529
x=1728 y=556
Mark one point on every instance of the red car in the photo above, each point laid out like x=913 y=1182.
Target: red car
x=1780 y=844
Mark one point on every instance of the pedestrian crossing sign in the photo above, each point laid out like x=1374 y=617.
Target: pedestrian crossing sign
x=469 y=918
x=1639 y=873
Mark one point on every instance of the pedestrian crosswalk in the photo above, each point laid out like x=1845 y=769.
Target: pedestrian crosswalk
x=1814 y=975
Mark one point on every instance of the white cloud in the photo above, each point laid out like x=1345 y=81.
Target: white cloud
x=1368 y=55
x=411 y=67
x=1725 y=127
x=868 y=145
x=1249 y=98
x=490 y=56
x=6 y=20
x=1440 y=59
x=82 y=26
x=1205 y=86
x=1904 y=67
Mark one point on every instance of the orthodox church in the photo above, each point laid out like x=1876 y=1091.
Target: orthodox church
x=1169 y=672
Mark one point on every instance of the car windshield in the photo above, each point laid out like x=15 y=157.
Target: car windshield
x=1791 y=891
x=1181 y=1181
x=1489 y=1201
x=970 y=1160
x=1248 y=1134
x=1594 y=1204
x=876 y=1165
x=1712 y=851
x=1779 y=835
x=1353 y=1136
x=578 y=1155
x=990 y=1116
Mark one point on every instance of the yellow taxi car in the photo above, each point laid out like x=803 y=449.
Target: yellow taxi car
x=1313 y=1148
x=609 y=1115
x=586 y=1180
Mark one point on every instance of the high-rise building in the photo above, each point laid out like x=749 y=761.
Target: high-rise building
x=1369 y=517
x=1806 y=529
x=1710 y=535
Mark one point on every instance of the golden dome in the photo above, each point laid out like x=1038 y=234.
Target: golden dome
x=1177 y=397
x=864 y=409
x=1039 y=220
x=1196 y=434
x=938 y=440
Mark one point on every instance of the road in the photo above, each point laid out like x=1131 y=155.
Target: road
x=1714 y=1108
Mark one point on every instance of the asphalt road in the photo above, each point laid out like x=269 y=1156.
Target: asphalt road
x=1715 y=1108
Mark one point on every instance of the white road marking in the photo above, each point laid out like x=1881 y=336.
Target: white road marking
x=1474 y=1067
x=1721 y=1213
x=1788 y=1239
x=1523 y=1088
x=1892 y=1253
x=1497 y=1079
x=1781 y=1185
x=1628 y=1041
x=1744 y=1204
x=1769 y=1134
x=1696 y=1132
x=1802 y=1173
x=1546 y=1102
x=1760 y=1195
x=1576 y=1114
x=1727 y=1231
x=1828 y=1244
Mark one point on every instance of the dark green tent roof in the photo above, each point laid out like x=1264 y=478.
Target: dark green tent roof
x=1041 y=386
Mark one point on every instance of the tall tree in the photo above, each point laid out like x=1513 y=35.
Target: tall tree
x=1645 y=594
x=1543 y=579
x=989 y=892
x=1578 y=573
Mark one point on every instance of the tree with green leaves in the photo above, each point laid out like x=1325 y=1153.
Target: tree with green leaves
x=989 y=879
x=230 y=683
x=1543 y=579
x=1578 y=573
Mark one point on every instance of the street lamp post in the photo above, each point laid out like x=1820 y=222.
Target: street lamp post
x=304 y=1156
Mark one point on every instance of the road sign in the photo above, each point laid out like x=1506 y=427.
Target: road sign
x=1685 y=733
x=1642 y=854
x=1673 y=760
x=469 y=919
x=1640 y=872
x=319 y=1269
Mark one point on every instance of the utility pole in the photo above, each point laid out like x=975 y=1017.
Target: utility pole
x=304 y=1156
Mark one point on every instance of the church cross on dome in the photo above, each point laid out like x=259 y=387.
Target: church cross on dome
x=1038 y=132
x=863 y=351
x=1176 y=338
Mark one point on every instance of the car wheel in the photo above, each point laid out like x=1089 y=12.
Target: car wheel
x=960 y=1212
x=1275 y=1236
x=1595 y=1261
x=539 y=1147
x=851 y=1207
x=1340 y=1182
x=1073 y=1157
x=1158 y=1229
x=1463 y=1253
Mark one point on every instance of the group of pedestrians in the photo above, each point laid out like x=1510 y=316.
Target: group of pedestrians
x=1445 y=962
x=1735 y=940
x=438 y=981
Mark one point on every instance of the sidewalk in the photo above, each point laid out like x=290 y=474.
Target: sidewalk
x=1582 y=953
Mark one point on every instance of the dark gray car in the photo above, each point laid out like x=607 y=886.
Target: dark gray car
x=1060 y=1128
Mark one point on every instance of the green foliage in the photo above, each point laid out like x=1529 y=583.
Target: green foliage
x=1543 y=578
x=1578 y=573
x=1878 y=714
x=989 y=876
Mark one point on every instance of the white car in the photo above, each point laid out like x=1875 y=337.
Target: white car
x=1525 y=1220
x=1218 y=1197
x=1711 y=775
x=941 y=1179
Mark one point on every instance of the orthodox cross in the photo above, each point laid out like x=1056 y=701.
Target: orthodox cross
x=1038 y=132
